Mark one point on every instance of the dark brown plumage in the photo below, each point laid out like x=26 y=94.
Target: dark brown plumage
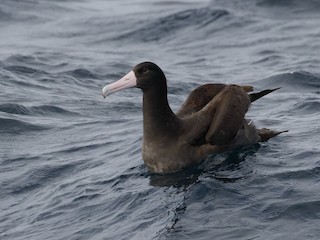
x=211 y=120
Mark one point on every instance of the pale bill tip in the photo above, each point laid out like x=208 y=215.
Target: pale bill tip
x=105 y=92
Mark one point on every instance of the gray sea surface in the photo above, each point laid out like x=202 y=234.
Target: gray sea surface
x=70 y=161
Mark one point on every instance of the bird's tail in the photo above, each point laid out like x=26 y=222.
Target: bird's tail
x=256 y=96
x=265 y=134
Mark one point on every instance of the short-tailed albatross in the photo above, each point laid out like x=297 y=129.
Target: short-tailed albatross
x=212 y=120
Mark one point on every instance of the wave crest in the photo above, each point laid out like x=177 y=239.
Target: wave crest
x=165 y=26
x=35 y=110
x=297 y=81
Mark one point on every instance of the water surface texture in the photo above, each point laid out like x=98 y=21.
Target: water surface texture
x=70 y=161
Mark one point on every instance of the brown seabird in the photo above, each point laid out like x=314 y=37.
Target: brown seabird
x=212 y=120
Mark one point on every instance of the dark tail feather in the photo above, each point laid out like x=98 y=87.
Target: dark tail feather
x=265 y=134
x=256 y=96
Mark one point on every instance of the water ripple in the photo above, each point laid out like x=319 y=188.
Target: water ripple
x=43 y=110
x=14 y=126
x=36 y=177
x=171 y=24
x=298 y=81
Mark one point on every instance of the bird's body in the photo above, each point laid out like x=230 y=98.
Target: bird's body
x=212 y=120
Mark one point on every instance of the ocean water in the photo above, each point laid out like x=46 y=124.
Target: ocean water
x=70 y=161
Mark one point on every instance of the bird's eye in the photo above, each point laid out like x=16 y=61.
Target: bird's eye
x=143 y=70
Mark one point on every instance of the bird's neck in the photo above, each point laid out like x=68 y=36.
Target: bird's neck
x=158 y=117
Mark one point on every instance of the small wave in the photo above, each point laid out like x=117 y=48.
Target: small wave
x=303 y=210
x=35 y=110
x=283 y=3
x=297 y=81
x=181 y=88
x=17 y=59
x=124 y=107
x=30 y=11
x=8 y=125
x=272 y=60
x=307 y=107
x=170 y=24
x=14 y=109
x=23 y=70
x=39 y=62
x=50 y=110
x=290 y=9
x=36 y=177
x=82 y=73
x=18 y=76
x=289 y=3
